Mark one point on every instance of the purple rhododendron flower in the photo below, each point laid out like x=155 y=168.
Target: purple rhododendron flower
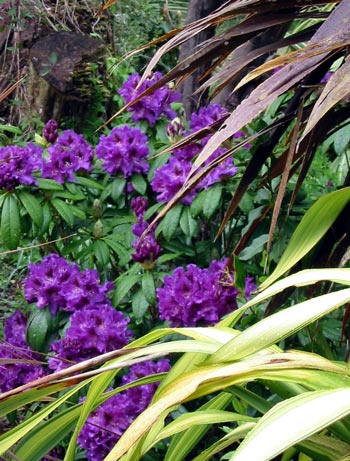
x=91 y=332
x=25 y=366
x=139 y=206
x=154 y=105
x=250 y=287
x=108 y=422
x=196 y=296
x=169 y=179
x=147 y=251
x=17 y=165
x=50 y=131
x=60 y=285
x=124 y=150
x=70 y=154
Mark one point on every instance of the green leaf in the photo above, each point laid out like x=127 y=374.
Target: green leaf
x=315 y=223
x=212 y=201
x=188 y=224
x=63 y=210
x=148 y=288
x=124 y=254
x=88 y=183
x=139 y=183
x=255 y=248
x=123 y=285
x=183 y=443
x=49 y=184
x=10 y=223
x=9 y=438
x=198 y=204
x=170 y=222
x=32 y=206
x=37 y=328
x=117 y=188
x=139 y=304
x=278 y=326
x=101 y=252
x=292 y=421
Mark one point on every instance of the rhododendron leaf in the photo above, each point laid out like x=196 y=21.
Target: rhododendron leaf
x=87 y=182
x=10 y=223
x=292 y=421
x=37 y=328
x=101 y=252
x=139 y=183
x=49 y=184
x=33 y=207
x=63 y=210
x=212 y=200
x=198 y=204
x=139 y=304
x=123 y=285
x=278 y=326
x=315 y=223
x=149 y=288
x=118 y=187
x=188 y=224
x=171 y=222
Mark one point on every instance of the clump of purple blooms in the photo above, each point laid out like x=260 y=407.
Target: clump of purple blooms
x=124 y=150
x=60 y=285
x=70 y=154
x=108 y=422
x=95 y=326
x=169 y=178
x=23 y=365
x=147 y=249
x=198 y=297
x=152 y=106
x=18 y=164
x=92 y=331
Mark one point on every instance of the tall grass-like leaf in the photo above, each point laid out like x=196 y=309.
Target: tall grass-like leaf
x=291 y=421
x=314 y=225
x=279 y=326
x=217 y=377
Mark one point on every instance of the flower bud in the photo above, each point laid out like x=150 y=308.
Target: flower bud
x=98 y=229
x=175 y=130
x=97 y=210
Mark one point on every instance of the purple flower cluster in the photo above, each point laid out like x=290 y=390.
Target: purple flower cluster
x=95 y=326
x=108 y=422
x=17 y=165
x=198 y=296
x=124 y=150
x=70 y=154
x=92 y=331
x=169 y=178
x=147 y=250
x=154 y=105
x=60 y=285
x=23 y=365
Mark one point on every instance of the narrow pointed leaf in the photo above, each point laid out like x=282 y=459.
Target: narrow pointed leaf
x=292 y=421
x=10 y=223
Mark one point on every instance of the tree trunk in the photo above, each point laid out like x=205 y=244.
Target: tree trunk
x=197 y=9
